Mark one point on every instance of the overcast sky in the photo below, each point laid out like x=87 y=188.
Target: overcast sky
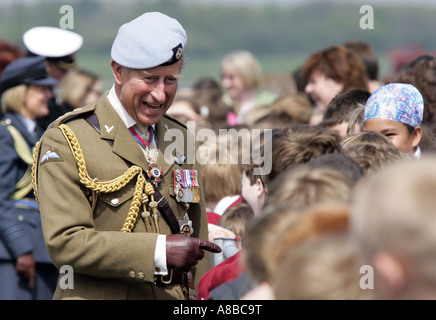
x=298 y=2
x=262 y=2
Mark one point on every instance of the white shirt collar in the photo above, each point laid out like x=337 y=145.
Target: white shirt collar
x=29 y=124
x=121 y=111
x=224 y=204
x=116 y=104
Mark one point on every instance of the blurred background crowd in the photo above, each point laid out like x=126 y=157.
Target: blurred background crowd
x=310 y=74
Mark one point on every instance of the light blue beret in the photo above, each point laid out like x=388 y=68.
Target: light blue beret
x=400 y=102
x=151 y=40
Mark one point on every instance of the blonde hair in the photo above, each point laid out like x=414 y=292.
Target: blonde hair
x=366 y=137
x=285 y=111
x=393 y=211
x=372 y=151
x=324 y=267
x=236 y=218
x=246 y=66
x=221 y=177
x=291 y=195
x=220 y=180
x=304 y=186
x=297 y=105
x=355 y=121
x=75 y=86
x=12 y=100
x=299 y=144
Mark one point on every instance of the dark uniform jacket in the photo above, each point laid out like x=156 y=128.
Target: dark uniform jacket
x=107 y=263
x=20 y=223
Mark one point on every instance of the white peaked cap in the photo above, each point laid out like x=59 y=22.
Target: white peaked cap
x=52 y=42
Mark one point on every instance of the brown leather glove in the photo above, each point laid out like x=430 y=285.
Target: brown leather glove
x=184 y=252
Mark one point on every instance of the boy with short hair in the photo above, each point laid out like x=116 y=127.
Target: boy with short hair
x=340 y=109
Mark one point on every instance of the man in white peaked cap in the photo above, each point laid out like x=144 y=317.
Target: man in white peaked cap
x=59 y=47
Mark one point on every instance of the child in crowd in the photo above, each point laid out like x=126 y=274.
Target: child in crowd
x=299 y=144
x=393 y=221
x=291 y=194
x=395 y=110
x=307 y=263
x=339 y=110
x=218 y=281
x=222 y=187
x=372 y=151
x=235 y=219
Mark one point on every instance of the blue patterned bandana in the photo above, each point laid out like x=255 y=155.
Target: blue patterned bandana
x=398 y=102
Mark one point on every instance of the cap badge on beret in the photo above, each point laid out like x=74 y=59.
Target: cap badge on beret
x=400 y=102
x=177 y=55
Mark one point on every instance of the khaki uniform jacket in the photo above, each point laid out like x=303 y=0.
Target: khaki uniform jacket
x=107 y=263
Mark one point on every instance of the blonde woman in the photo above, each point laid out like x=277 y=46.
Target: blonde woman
x=242 y=80
x=26 y=271
x=80 y=88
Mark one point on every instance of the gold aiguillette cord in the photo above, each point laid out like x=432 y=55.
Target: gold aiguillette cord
x=152 y=204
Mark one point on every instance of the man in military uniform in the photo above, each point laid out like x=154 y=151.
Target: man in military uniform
x=59 y=47
x=119 y=203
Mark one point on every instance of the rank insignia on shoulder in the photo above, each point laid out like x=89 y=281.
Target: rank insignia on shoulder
x=50 y=156
x=186 y=186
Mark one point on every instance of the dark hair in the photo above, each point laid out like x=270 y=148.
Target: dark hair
x=340 y=64
x=368 y=56
x=299 y=144
x=342 y=105
x=423 y=72
x=8 y=53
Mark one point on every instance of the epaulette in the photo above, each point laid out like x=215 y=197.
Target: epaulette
x=79 y=112
x=5 y=122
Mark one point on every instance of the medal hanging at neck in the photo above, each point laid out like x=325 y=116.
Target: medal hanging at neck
x=154 y=173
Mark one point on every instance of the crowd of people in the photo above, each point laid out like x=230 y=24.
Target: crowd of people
x=340 y=178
